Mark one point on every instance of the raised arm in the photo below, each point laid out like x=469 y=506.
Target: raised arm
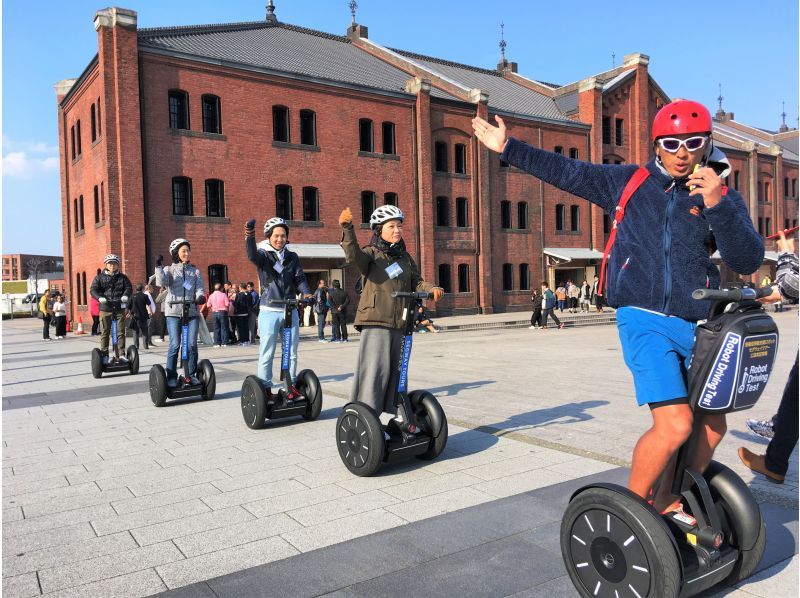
x=253 y=254
x=352 y=251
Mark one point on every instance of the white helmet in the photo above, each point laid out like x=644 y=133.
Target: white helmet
x=384 y=214
x=110 y=258
x=175 y=245
x=272 y=223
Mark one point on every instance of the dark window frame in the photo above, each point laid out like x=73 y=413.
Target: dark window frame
x=93 y=122
x=463 y=278
x=575 y=218
x=284 y=201
x=178 y=105
x=72 y=142
x=460 y=165
x=440 y=151
x=389 y=139
x=96 y=204
x=390 y=199
x=573 y=153
x=522 y=215
x=561 y=217
x=182 y=194
x=80 y=212
x=211 y=109
x=559 y=150
x=310 y=204
x=78 y=136
x=619 y=132
x=524 y=277
x=281 y=125
x=210 y=184
x=445 y=278
x=308 y=127
x=508 y=277
x=367 y=205
x=99 y=120
x=462 y=212
x=505 y=215
x=442 y=211
x=606 y=130
x=366 y=135
x=217 y=273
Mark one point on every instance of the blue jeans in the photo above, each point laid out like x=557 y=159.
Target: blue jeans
x=174 y=329
x=270 y=329
x=221 y=328
x=321 y=316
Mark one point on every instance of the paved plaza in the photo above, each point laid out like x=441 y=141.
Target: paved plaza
x=106 y=495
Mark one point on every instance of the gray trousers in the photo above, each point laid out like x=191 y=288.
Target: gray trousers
x=375 y=381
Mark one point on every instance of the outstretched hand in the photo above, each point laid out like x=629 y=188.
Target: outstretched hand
x=492 y=137
x=346 y=217
x=438 y=293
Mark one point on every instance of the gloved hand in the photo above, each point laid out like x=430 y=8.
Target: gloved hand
x=102 y=300
x=346 y=217
x=160 y=261
x=124 y=299
x=438 y=293
x=250 y=224
x=200 y=300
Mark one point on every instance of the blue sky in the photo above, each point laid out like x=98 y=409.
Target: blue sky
x=750 y=47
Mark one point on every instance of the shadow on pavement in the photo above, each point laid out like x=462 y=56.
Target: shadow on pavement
x=454 y=389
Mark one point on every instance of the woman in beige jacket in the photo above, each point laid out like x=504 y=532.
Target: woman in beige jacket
x=385 y=266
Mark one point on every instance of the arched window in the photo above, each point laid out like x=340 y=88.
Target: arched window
x=573 y=153
x=440 y=156
x=461 y=158
x=308 y=127
x=178 y=109
x=93 y=120
x=280 y=124
x=575 y=218
x=181 y=196
x=522 y=215
x=524 y=277
x=365 y=137
x=505 y=214
x=283 y=202
x=463 y=278
x=215 y=198
x=389 y=146
x=444 y=277
x=508 y=277
x=561 y=215
x=212 y=116
x=217 y=273
x=310 y=204
x=83 y=285
x=96 y=205
x=390 y=199
x=442 y=211
x=559 y=150
x=367 y=205
x=462 y=212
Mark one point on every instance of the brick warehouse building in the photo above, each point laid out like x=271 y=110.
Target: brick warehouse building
x=190 y=131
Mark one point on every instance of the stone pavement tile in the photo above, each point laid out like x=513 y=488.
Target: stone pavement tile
x=48 y=495
x=235 y=535
x=221 y=562
x=438 y=504
x=526 y=463
x=196 y=590
x=341 y=507
x=85 y=499
x=184 y=526
x=253 y=493
x=131 y=448
x=340 y=530
x=47 y=460
x=12 y=514
x=217 y=459
x=295 y=500
x=323 y=478
x=111 y=472
x=55 y=520
x=66 y=553
x=262 y=465
x=160 y=480
x=118 y=523
x=323 y=463
x=491 y=569
x=429 y=486
x=132 y=585
x=257 y=478
x=309 y=446
x=41 y=476
x=46 y=538
x=14 y=449
x=344 y=593
x=386 y=477
x=521 y=482
x=199 y=446
x=158 y=499
x=21 y=586
x=108 y=566
x=323 y=571
x=452 y=459
x=25 y=452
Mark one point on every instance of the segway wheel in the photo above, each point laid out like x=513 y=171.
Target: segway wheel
x=359 y=436
x=742 y=522
x=308 y=385
x=254 y=403
x=430 y=415
x=97 y=363
x=158 y=386
x=209 y=379
x=133 y=360
x=614 y=545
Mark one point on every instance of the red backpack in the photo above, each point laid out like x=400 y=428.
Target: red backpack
x=632 y=185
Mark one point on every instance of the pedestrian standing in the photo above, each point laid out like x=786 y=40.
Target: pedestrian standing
x=597 y=297
x=46 y=309
x=585 y=296
x=219 y=303
x=573 y=293
x=252 y=320
x=140 y=320
x=60 y=313
x=561 y=296
x=321 y=309
x=242 y=303
x=339 y=300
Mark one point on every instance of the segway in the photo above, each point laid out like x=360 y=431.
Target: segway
x=418 y=430
x=614 y=543
x=131 y=365
x=160 y=391
x=302 y=396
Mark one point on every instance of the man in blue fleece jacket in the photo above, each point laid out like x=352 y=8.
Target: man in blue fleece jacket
x=675 y=220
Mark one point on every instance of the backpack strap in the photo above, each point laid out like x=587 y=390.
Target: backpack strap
x=631 y=186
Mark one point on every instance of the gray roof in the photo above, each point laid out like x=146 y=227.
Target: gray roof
x=568 y=103
x=281 y=48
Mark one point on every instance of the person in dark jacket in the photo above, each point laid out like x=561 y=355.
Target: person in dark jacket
x=339 y=300
x=536 y=316
x=321 y=308
x=242 y=302
x=112 y=288
x=281 y=276
x=140 y=317
x=385 y=266
x=662 y=253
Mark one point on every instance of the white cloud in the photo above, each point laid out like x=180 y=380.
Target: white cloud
x=28 y=159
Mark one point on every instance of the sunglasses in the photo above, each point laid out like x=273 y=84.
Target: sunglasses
x=673 y=144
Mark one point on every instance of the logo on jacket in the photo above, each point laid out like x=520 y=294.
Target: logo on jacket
x=694 y=210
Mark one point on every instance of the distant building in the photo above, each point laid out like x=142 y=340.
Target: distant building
x=19 y=266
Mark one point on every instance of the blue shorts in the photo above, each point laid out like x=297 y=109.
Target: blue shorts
x=657 y=350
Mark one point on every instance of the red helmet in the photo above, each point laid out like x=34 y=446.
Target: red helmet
x=681 y=117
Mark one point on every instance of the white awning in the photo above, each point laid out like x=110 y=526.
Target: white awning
x=311 y=250
x=573 y=253
x=769 y=256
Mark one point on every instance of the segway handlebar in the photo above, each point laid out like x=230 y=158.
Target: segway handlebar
x=731 y=294
x=415 y=295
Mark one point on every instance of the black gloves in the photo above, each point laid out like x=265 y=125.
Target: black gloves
x=250 y=228
x=251 y=224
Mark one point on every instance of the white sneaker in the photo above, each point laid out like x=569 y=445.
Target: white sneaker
x=531 y=327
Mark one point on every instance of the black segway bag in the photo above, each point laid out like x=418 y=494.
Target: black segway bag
x=733 y=355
